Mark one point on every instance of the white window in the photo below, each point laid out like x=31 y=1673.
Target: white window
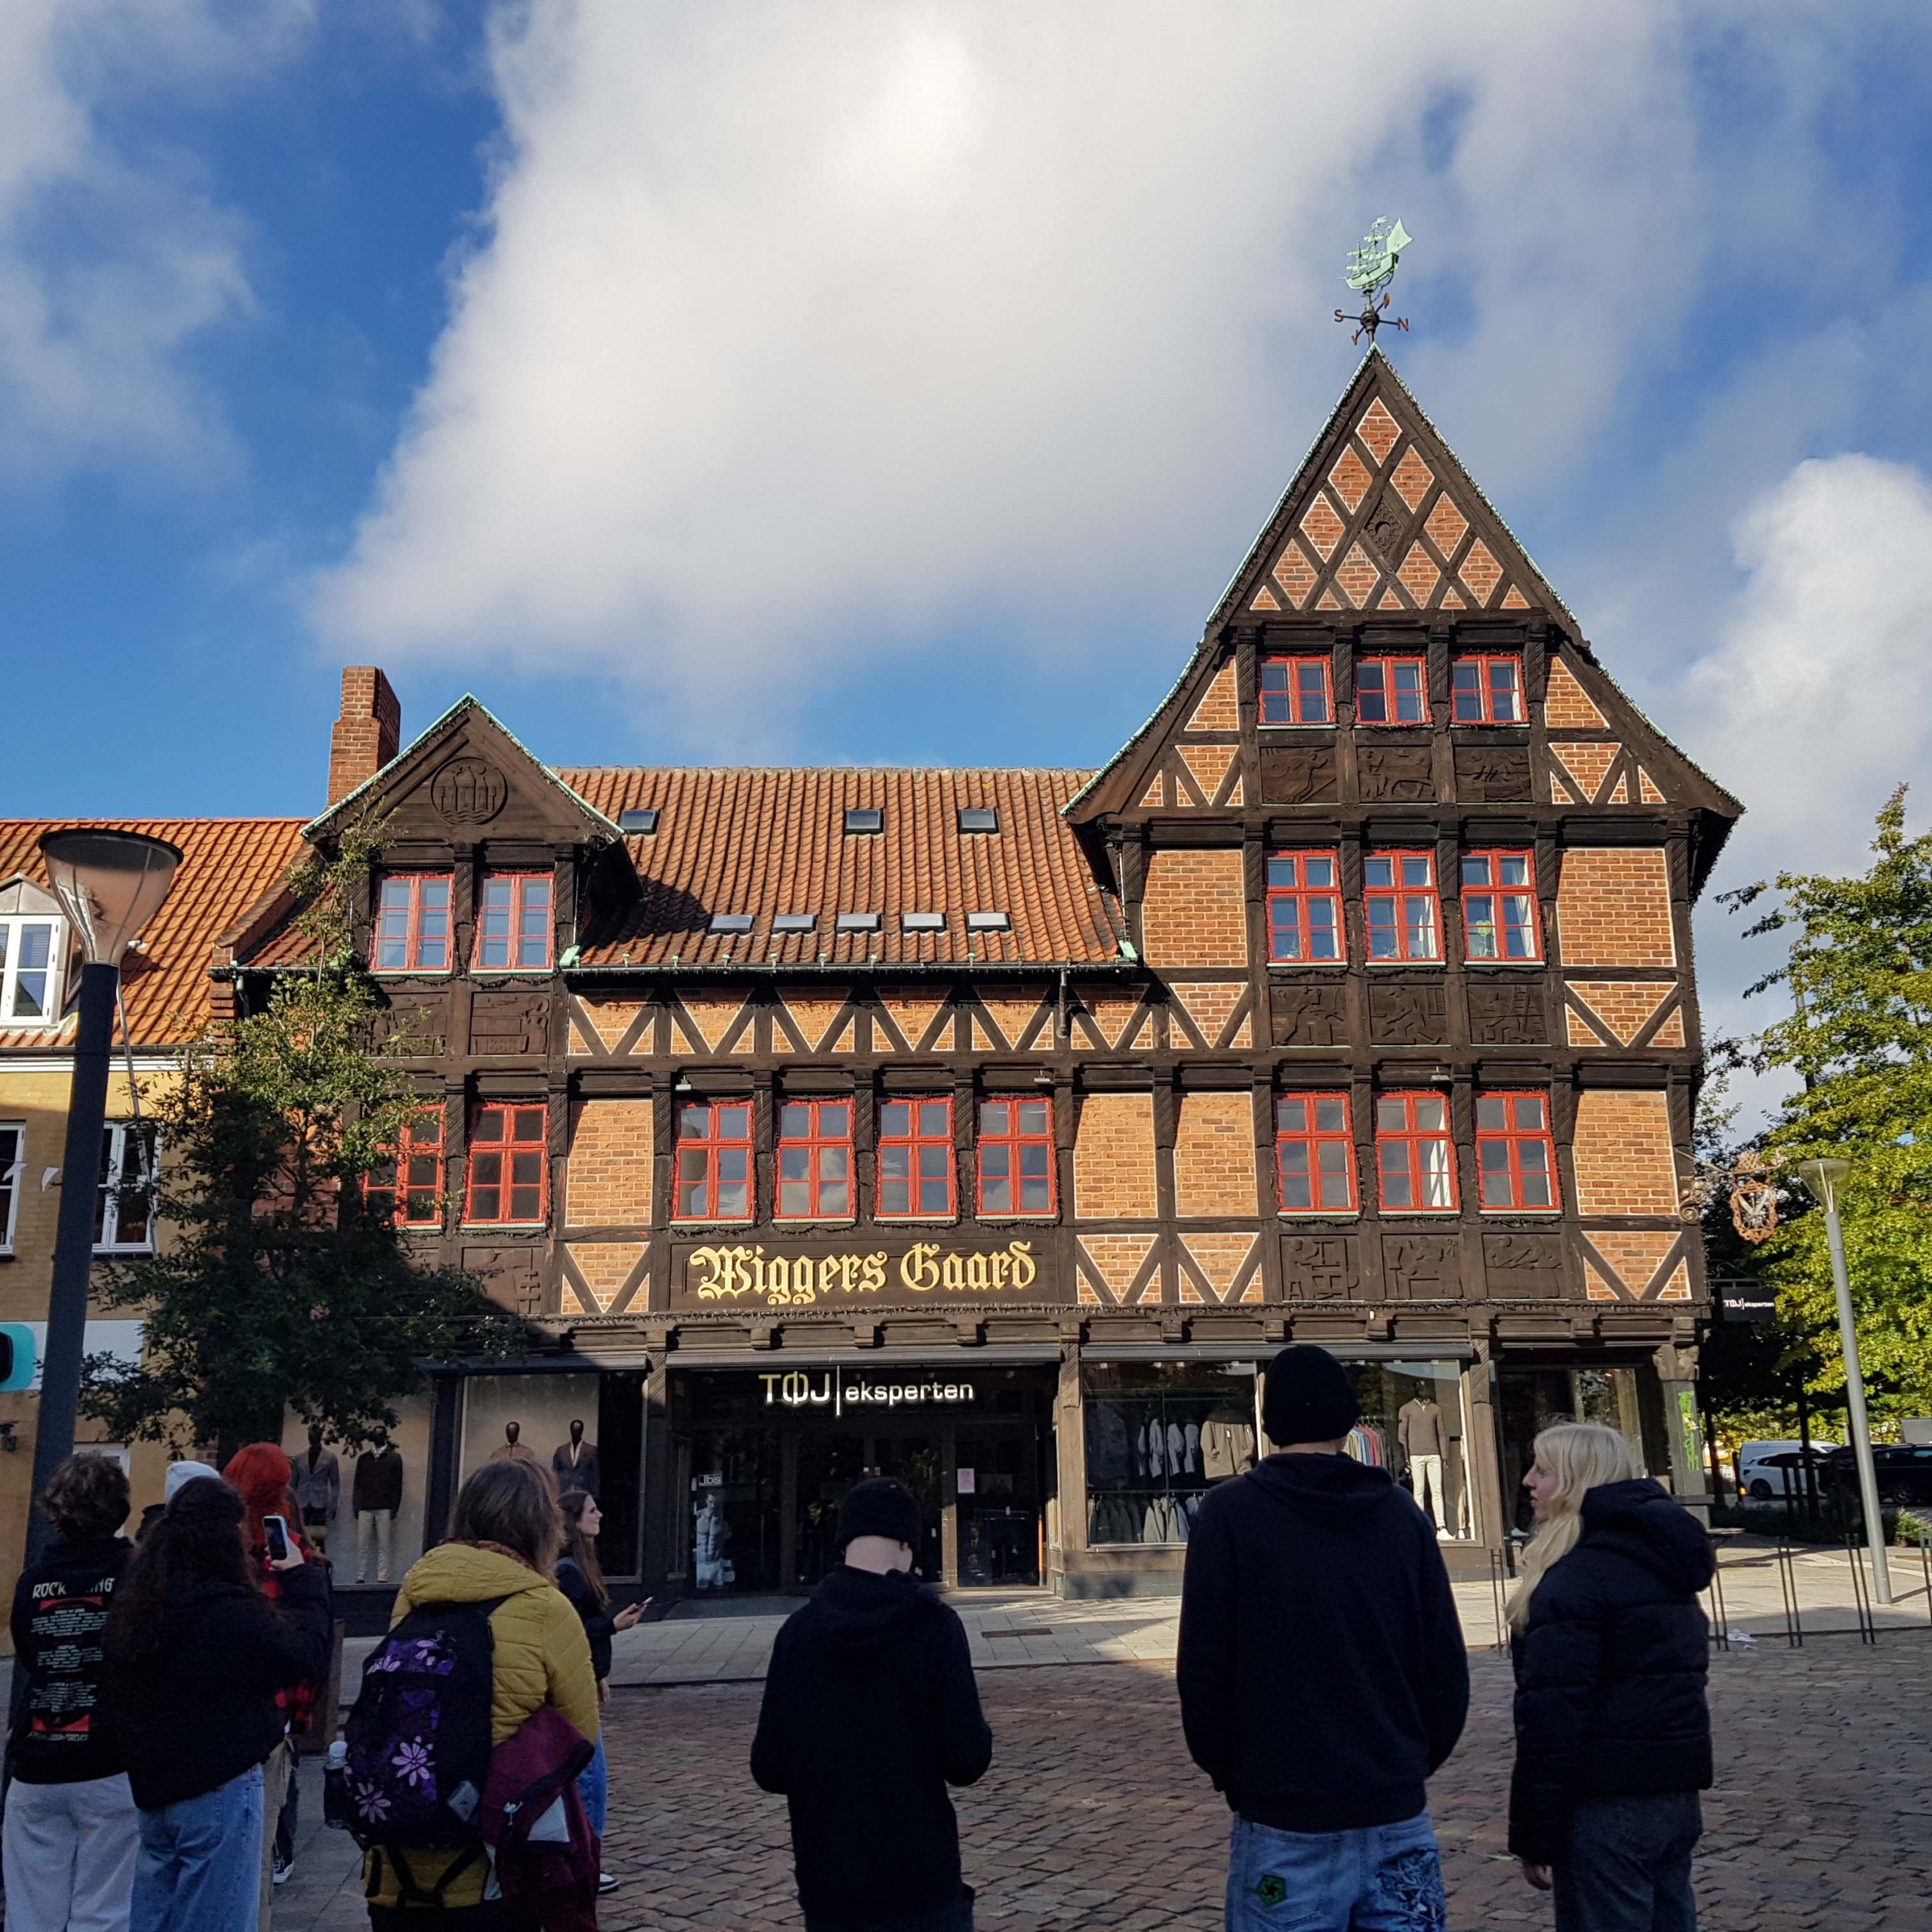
x=32 y=956
x=13 y=1169
x=124 y=1206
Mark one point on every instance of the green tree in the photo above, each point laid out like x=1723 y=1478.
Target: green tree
x=278 y=1284
x=1859 y=966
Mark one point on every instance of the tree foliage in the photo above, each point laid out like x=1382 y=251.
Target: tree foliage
x=276 y=1285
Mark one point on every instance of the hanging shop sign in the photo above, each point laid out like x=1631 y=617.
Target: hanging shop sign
x=773 y=1274
x=839 y=1390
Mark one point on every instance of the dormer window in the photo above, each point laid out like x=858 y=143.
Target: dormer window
x=641 y=820
x=513 y=923
x=978 y=818
x=413 y=923
x=865 y=819
x=32 y=955
x=730 y=922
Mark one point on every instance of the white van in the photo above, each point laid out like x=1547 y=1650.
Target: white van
x=1768 y=1470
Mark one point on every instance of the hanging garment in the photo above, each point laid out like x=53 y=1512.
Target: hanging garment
x=1366 y=1444
x=1192 y=1463
x=1177 y=1449
x=1227 y=1444
x=1157 y=1447
x=1106 y=1445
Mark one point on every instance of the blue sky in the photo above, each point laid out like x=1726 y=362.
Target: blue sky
x=869 y=382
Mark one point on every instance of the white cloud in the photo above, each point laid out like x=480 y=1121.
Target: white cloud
x=800 y=329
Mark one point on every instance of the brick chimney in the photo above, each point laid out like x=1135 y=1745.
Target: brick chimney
x=366 y=735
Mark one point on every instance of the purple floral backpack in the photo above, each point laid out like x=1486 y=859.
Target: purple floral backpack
x=418 y=1736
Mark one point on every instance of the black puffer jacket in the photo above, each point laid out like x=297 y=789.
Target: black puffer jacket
x=1610 y=1669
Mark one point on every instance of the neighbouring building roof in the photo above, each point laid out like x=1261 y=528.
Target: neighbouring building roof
x=762 y=843
x=227 y=865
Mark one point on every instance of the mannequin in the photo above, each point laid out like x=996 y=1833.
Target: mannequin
x=576 y=1465
x=1419 y=1425
x=316 y=1485
x=375 y=1498
x=708 y=1535
x=512 y=1449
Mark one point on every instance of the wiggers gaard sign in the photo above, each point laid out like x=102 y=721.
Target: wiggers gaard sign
x=781 y=1273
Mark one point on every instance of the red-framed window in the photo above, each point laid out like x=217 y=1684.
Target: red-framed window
x=1305 y=907
x=1315 y=1154
x=815 y=1160
x=513 y=922
x=1515 y=1158
x=1016 y=1157
x=1500 y=907
x=413 y=922
x=915 y=1164
x=714 y=1160
x=1400 y=908
x=510 y=1165
x=1486 y=690
x=1391 y=690
x=1294 y=691
x=408 y=1187
x=1415 y=1161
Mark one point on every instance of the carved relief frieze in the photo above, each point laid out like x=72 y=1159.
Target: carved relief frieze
x=1309 y=1014
x=1493 y=774
x=509 y=1023
x=1510 y=1014
x=511 y=1275
x=1298 y=774
x=1408 y=1014
x=1387 y=774
x=1522 y=1266
x=1320 y=1267
x=1421 y=1267
x=468 y=791
x=413 y=1024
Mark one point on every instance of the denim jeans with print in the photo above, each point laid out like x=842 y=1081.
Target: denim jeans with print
x=1381 y=1878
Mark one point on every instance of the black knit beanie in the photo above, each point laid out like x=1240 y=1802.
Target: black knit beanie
x=879 y=1507
x=1306 y=1398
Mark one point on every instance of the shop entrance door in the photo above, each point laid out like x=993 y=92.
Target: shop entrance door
x=827 y=1463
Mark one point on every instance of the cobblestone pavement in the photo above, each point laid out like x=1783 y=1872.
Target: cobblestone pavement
x=1093 y=1819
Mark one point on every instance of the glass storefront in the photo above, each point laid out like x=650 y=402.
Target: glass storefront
x=1625 y=1398
x=1412 y=1425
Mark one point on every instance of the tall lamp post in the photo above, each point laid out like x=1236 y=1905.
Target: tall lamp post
x=109 y=884
x=1824 y=1178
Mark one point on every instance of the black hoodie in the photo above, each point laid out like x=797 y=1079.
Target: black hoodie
x=870 y=1711
x=1611 y=1668
x=1323 y=1672
x=61 y=1731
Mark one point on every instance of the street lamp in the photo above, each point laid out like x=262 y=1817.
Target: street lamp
x=1824 y=1178
x=109 y=884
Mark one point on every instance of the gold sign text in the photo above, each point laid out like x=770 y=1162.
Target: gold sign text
x=729 y=1274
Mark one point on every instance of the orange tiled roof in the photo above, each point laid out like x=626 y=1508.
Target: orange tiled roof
x=768 y=841
x=227 y=864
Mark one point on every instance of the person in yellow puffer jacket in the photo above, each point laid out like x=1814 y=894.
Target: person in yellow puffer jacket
x=505 y=1535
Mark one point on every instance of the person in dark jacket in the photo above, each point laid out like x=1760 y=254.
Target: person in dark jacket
x=1322 y=1671
x=196 y=1654
x=71 y=1832
x=1611 y=1650
x=870 y=1710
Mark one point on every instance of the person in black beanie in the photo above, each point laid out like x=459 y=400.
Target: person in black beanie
x=870 y=1711
x=1323 y=1672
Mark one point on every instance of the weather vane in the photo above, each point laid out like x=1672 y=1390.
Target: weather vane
x=1372 y=266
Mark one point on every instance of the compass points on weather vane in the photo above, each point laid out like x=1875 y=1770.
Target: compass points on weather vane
x=1371 y=268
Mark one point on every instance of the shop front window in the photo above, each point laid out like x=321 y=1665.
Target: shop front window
x=1624 y=1397
x=1412 y=1425
x=1159 y=1434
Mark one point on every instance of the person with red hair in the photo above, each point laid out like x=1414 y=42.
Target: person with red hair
x=260 y=1472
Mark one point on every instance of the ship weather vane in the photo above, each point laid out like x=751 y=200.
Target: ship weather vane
x=1371 y=268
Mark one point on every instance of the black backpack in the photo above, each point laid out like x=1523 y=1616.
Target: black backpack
x=418 y=1736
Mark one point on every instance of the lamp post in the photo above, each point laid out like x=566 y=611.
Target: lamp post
x=1824 y=1178
x=109 y=884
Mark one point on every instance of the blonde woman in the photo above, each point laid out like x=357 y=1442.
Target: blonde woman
x=1613 y=1736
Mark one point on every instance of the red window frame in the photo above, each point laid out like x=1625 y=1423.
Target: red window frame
x=1396 y=886
x=513 y=920
x=1415 y=1154
x=918 y=1175
x=1382 y=692
x=1016 y=1157
x=1515 y=1153
x=814 y=1161
x=507 y=1184
x=1315 y=1154
x=1499 y=910
x=406 y=939
x=1286 y=692
x=408 y=1186
x=1305 y=909
x=1480 y=687
x=711 y=1161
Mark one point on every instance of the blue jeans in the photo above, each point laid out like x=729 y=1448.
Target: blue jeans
x=200 y=1867
x=1627 y=1868
x=1379 y=1879
x=593 y=1786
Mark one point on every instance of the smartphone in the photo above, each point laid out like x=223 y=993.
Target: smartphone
x=275 y=1530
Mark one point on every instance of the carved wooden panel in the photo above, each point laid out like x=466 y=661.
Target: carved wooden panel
x=1423 y=1267
x=1408 y=1014
x=510 y=1275
x=1522 y=1266
x=509 y=1023
x=412 y=1023
x=1320 y=1267
x=1494 y=774
x=1298 y=774
x=1309 y=1015
x=1511 y=1013
x=1393 y=772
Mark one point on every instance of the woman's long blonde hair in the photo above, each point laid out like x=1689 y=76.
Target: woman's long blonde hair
x=1582 y=1456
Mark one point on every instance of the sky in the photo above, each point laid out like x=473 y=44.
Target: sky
x=876 y=381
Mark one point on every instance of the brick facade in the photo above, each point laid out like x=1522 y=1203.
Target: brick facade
x=1113 y=1159
x=1214 y=1166
x=365 y=735
x=1194 y=911
x=1625 y=1163
x=1613 y=908
x=608 y=1183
